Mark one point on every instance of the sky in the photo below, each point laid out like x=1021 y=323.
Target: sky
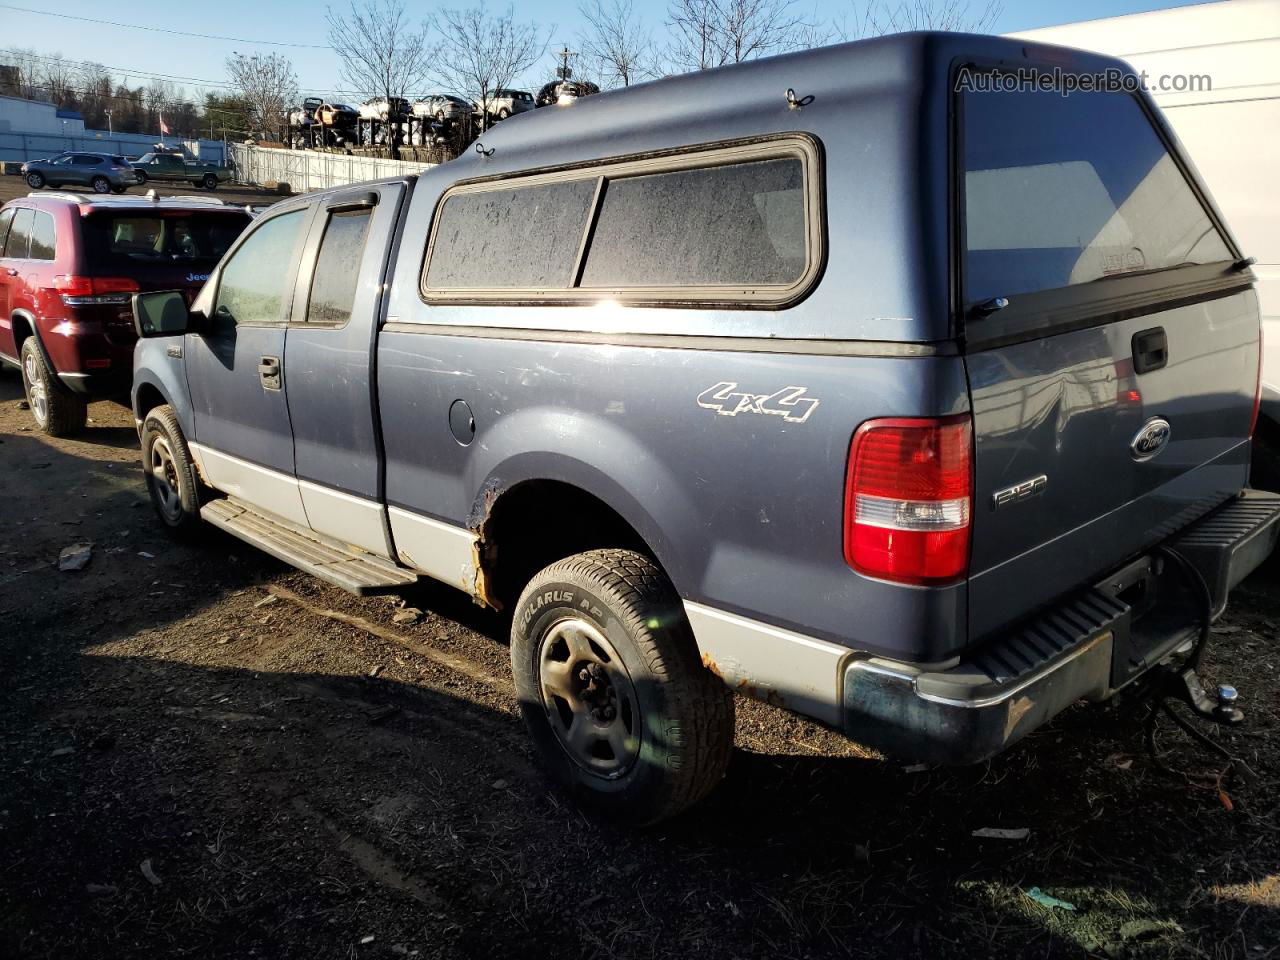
x=299 y=29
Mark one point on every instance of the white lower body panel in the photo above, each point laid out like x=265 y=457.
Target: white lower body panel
x=260 y=487
x=791 y=670
x=440 y=550
x=345 y=517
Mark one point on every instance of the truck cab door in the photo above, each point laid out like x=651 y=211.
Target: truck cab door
x=235 y=367
x=330 y=357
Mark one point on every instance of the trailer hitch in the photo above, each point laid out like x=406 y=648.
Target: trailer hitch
x=1185 y=686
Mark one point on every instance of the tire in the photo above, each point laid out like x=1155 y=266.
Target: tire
x=56 y=410
x=100 y=185
x=210 y=182
x=600 y=645
x=119 y=189
x=504 y=113
x=176 y=491
x=35 y=180
x=140 y=176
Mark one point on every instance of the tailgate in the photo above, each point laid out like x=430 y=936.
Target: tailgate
x=1112 y=344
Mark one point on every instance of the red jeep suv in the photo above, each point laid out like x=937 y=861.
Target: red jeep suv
x=68 y=267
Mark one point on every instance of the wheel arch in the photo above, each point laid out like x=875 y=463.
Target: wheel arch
x=537 y=521
x=160 y=384
x=24 y=327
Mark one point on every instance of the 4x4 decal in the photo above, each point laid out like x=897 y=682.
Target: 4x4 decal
x=790 y=403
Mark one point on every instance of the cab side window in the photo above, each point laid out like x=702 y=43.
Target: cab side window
x=18 y=242
x=43 y=238
x=256 y=285
x=333 y=287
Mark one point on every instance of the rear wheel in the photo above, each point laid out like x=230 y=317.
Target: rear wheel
x=612 y=689
x=100 y=185
x=35 y=180
x=57 y=411
x=175 y=489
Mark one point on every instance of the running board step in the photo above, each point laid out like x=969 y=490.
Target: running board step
x=358 y=573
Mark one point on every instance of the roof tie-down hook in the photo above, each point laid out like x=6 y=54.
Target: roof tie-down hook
x=794 y=103
x=480 y=149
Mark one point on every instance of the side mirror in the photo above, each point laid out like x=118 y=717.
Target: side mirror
x=161 y=313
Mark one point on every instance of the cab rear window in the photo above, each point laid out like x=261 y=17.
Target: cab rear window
x=1065 y=190
x=121 y=239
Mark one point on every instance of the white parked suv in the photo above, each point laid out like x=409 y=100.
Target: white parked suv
x=505 y=103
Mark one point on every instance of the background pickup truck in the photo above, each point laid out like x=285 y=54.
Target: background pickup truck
x=681 y=392
x=172 y=167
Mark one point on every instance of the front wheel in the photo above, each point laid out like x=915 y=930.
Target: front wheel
x=504 y=113
x=612 y=690
x=35 y=180
x=210 y=182
x=140 y=176
x=57 y=411
x=176 y=492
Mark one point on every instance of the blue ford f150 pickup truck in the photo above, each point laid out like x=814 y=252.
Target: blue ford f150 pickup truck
x=909 y=394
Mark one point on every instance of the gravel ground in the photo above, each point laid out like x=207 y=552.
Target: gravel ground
x=206 y=754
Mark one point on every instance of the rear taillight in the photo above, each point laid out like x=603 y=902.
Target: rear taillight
x=80 y=291
x=908 y=499
x=1257 y=390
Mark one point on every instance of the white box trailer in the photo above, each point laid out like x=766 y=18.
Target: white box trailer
x=1230 y=126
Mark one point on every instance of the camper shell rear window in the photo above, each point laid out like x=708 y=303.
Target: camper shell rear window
x=1071 y=192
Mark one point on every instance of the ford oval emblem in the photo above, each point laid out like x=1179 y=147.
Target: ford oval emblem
x=1151 y=439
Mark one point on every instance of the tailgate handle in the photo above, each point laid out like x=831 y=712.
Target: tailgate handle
x=1150 y=350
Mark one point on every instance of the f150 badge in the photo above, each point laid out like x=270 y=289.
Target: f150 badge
x=790 y=403
x=1151 y=439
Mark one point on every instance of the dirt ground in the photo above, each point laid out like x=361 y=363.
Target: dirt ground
x=206 y=754
x=11 y=187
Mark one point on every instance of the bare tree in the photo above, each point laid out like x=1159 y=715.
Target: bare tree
x=695 y=27
x=887 y=16
x=383 y=54
x=268 y=87
x=29 y=82
x=616 y=42
x=59 y=80
x=712 y=33
x=477 y=53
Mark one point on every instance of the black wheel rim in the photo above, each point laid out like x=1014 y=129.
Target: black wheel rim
x=590 y=700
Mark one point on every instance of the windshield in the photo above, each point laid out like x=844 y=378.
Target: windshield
x=117 y=239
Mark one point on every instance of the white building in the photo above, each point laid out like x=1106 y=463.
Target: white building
x=36 y=116
x=1231 y=129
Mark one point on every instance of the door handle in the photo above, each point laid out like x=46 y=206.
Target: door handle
x=269 y=373
x=1150 y=350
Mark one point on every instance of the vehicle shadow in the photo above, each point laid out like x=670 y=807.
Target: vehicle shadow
x=194 y=768
x=120 y=437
